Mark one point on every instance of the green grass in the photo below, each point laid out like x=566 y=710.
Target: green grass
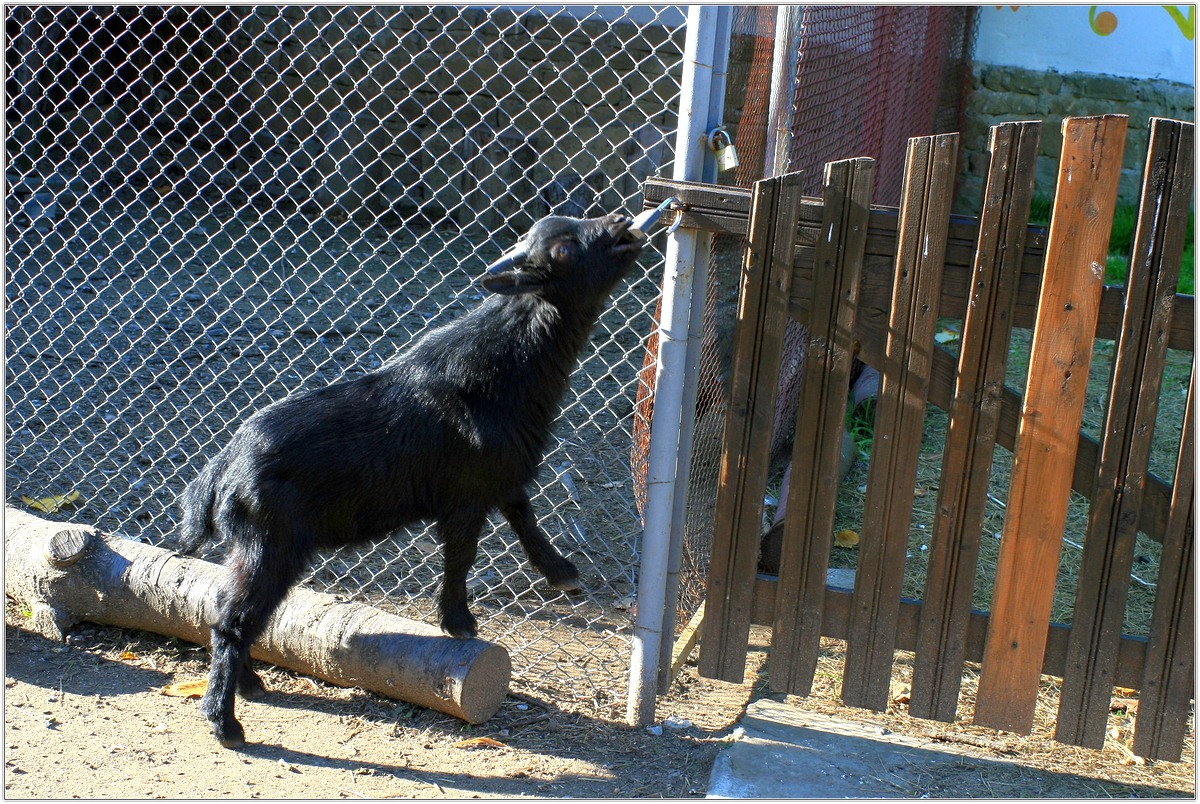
x=1121 y=240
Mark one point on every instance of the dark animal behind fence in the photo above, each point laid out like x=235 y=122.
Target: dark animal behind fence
x=448 y=430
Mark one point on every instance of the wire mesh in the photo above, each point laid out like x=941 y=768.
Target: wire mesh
x=867 y=78
x=211 y=207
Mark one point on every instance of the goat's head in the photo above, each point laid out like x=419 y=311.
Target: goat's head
x=567 y=255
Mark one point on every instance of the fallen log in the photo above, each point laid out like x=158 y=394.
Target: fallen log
x=68 y=573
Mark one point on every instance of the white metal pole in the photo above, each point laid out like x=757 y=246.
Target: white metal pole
x=691 y=376
x=783 y=87
x=690 y=149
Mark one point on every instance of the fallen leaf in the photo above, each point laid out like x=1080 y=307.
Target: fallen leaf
x=54 y=503
x=128 y=655
x=1122 y=705
x=479 y=742
x=186 y=689
x=426 y=546
x=845 y=538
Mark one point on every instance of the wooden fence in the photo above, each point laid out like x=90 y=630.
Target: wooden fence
x=872 y=282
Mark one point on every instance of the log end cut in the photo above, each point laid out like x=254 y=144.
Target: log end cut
x=485 y=684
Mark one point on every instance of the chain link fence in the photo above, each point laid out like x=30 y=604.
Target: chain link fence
x=211 y=207
x=867 y=78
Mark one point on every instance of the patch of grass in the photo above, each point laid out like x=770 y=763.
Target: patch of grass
x=860 y=423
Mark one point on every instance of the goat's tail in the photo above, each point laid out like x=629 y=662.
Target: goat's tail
x=196 y=504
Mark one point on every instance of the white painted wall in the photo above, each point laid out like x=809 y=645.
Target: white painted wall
x=1147 y=42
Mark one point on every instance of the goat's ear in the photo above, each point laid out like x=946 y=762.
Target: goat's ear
x=510 y=283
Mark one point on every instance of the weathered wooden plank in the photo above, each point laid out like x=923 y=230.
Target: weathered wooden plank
x=926 y=196
x=974 y=421
x=1131 y=655
x=757 y=349
x=1167 y=681
x=686 y=642
x=1052 y=409
x=817 y=446
x=1141 y=352
x=725 y=210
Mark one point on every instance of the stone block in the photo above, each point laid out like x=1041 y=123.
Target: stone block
x=1009 y=79
x=970 y=193
x=1050 y=144
x=1175 y=101
x=1046 y=178
x=1007 y=104
x=1101 y=87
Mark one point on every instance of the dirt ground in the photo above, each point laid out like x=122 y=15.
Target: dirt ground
x=87 y=720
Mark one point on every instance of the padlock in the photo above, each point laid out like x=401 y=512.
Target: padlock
x=727 y=158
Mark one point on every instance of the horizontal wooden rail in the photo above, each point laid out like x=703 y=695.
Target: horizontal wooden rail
x=1131 y=653
x=725 y=210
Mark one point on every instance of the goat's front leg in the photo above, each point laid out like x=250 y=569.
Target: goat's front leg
x=560 y=572
x=460 y=541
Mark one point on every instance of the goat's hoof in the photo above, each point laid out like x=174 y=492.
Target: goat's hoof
x=230 y=736
x=250 y=686
x=564 y=578
x=458 y=626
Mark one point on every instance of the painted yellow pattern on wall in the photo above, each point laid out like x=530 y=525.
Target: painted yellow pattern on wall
x=1105 y=22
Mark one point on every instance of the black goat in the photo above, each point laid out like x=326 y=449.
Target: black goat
x=448 y=430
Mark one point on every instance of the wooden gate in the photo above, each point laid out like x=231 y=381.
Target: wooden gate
x=872 y=282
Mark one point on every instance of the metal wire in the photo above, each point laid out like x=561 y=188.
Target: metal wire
x=868 y=77
x=211 y=207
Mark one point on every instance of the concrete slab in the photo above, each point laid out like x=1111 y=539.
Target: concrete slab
x=785 y=752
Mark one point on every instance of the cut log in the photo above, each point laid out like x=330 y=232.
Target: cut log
x=68 y=573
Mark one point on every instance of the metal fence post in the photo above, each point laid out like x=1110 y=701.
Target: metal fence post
x=704 y=49
x=691 y=375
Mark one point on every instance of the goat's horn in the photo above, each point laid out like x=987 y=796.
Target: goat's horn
x=509 y=259
x=647 y=218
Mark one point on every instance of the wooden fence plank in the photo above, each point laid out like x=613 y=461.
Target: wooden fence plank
x=974 y=420
x=817 y=447
x=1128 y=430
x=757 y=348
x=927 y=194
x=1167 y=680
x=1051 y=412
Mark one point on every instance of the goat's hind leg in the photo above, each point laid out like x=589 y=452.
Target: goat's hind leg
x=558 y=571
x=259 y=579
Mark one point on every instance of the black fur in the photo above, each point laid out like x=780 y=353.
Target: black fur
x=447 y=430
